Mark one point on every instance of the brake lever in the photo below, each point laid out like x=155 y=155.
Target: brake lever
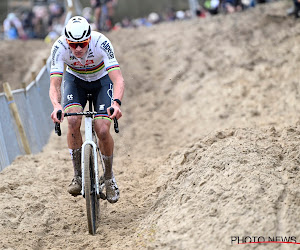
x=57 y=125
x=116 y=124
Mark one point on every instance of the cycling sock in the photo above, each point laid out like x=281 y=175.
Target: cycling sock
x=76 y=159
x=108 y=161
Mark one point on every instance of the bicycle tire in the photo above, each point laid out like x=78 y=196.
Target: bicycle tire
x=92 y=202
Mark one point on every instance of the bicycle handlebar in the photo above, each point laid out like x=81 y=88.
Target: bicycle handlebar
x=86 y=113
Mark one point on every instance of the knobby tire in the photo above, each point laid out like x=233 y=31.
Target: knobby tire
x=92 y=202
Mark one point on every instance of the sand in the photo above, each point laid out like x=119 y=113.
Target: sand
x=208 y=146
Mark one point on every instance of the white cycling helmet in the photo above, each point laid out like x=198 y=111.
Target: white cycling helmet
x=77 y=29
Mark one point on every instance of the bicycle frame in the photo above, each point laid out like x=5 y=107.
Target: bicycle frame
x=89 y=140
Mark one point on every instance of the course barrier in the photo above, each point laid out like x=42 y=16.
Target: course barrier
x=25 y=116
x=25 y=122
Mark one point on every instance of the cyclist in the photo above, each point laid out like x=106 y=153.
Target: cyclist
x=91 y=68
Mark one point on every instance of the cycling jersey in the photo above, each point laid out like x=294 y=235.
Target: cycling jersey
x=97 y=62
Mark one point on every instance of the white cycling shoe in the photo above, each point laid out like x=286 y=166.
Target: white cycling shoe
x=112 y=190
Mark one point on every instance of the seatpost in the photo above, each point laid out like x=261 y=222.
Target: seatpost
x=89 y=97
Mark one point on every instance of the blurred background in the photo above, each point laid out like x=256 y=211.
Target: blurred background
x=130 y=8
x=45 y=19
x=138 y=8
x=28 y=19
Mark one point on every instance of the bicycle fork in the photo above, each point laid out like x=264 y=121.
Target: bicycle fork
x=89 y=141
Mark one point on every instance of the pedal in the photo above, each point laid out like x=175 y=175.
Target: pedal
x=102 y=196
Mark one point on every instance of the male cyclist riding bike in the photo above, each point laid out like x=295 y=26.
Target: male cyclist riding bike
x=91 y=68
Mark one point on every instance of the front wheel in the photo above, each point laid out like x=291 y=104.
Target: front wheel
x=92 y=202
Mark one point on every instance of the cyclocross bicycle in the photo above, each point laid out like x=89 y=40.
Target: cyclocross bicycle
x=92 y=185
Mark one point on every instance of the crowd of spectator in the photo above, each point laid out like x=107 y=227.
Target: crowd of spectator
x=39 y=22
x=47 y=21
x=209 y=7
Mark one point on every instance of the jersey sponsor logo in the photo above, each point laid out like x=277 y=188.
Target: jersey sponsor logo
x=87 y=70
x=88 y=62
x=101 y=107
x=70 y=97
x=53 y=54
x=60 y=42
x=98 y=41
x=77 y=64
x=110 y=92
x=108 y=50
x=91 y=54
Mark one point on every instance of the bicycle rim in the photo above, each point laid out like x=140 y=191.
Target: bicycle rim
x=92 y=202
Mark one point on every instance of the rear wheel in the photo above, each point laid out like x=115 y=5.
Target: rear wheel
x=92 y=202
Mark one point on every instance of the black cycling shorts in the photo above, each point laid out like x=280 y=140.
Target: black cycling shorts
x=76 y=90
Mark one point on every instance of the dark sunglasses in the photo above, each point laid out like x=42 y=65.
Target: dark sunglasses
x=81 y=44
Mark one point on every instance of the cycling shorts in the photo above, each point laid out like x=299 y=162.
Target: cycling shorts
x=75 y=92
